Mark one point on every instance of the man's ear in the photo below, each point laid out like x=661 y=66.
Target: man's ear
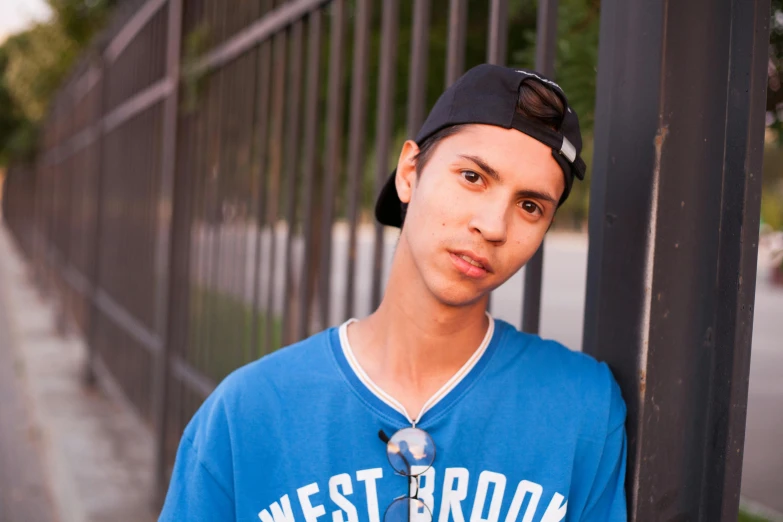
x=405 y=178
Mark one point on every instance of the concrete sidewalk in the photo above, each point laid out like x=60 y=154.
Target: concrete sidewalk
x=96 y=456
x=24 y=491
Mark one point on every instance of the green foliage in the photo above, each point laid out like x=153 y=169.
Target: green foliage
x=80 y=19
x=775 y=87
x=772 y=209
x=195 y=44
x=577 y=55
x=747 y=517
x=33 y=65
x=772 y=186
x=11 y=117
x=38 y=60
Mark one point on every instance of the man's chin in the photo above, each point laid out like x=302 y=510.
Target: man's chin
x=460 y=298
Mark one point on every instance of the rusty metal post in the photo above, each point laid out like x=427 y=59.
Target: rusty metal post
x=674 y=224
x=165 y=208
x=546 y=45
x=497 y=37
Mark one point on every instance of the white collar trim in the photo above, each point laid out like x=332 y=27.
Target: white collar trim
x=432 y=401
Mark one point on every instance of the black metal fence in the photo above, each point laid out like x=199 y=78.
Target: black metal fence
x=196 y=204
x=203 y=189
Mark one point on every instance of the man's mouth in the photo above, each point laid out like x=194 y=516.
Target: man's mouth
x=471 y=265
x=471 y=261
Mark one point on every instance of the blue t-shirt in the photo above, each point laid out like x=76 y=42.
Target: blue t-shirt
x=528 y=431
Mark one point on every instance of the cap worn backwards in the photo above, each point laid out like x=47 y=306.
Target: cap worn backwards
x=489 y=94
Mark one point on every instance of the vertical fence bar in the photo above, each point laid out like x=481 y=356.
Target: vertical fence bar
x=275 y=164
x=497 y=39
x=455 y=54
x=182 y=221
x=94 y=263
x=356 y=146
x=165 y=208
x=245 y=123
x=265 y=85
x=384 y=129
x=197 y=342
x=197 y=172
x=333 y=148
x=310 y=217
x=231 y=324
x=546 y=45
x=417 y=85
x=672 y=258
x=215 y=195
x=291 y=175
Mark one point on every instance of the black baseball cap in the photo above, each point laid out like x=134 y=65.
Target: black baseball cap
x=488 y=94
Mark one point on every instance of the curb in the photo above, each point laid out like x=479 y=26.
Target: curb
x=97 y=455
x=64 y=498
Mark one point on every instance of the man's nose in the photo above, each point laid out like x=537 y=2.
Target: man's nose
x=491 y=221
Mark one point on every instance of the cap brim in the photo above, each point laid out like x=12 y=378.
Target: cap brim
x=388 y=208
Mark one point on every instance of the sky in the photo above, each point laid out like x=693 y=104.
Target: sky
x=16 y=15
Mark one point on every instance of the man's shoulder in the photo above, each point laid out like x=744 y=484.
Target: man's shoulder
x=267 y=386
x=552 y=356
x=567 y=376
x=303 y=360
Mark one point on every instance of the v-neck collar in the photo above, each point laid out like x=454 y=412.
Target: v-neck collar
x=387 y=405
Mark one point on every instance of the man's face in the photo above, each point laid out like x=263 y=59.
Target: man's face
x=478 y=211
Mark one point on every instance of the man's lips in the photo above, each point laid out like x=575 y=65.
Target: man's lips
x=470 y=264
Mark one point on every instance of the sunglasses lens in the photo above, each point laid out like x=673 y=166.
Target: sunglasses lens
x=407 y=509
x=410 y=451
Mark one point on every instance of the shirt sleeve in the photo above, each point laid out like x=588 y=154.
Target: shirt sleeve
x=607 y=497
x=195 y=494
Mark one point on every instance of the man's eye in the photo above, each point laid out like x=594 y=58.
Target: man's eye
x=471 y=177
x=530 y=207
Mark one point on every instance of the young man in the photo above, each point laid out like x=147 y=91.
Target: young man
x=428 y=409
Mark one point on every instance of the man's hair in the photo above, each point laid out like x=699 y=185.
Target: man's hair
x=536 y=102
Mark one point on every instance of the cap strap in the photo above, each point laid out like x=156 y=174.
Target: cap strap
x=568 y=150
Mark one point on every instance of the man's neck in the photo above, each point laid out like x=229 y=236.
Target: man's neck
x=413 y=344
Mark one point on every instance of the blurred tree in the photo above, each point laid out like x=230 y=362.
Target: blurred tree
x=10 y=116
x=81 y=19
x=34 y=63
x=775 y=92
x=37 y=61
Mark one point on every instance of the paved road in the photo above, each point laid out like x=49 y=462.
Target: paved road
x=762 y=474
x=24 y=494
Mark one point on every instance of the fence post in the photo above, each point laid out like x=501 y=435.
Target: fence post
x=546 y=48
x=674 y=223
x=90 y=377
x=163 y=249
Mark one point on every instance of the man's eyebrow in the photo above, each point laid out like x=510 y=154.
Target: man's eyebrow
x=532 y=194
x=483 y=165
x=535 y=194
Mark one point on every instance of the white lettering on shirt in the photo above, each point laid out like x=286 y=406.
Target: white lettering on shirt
x=485 y=479
x=523 y=489
x=455 y=489
x=311 y=513
x=426 y=492
x=369 y=476
x=555 y=512
x=343 y=481
x=279 y=514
